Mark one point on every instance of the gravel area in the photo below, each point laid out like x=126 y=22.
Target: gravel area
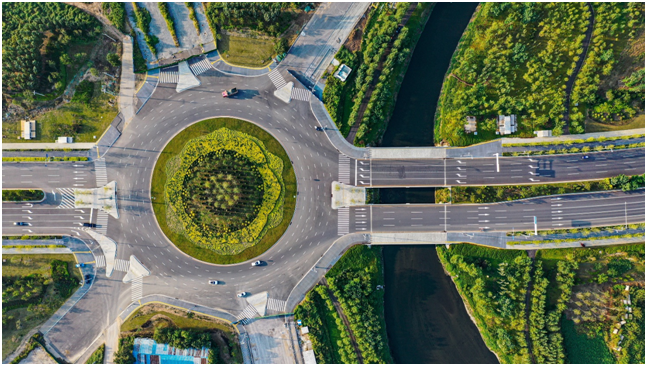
x=38 y=356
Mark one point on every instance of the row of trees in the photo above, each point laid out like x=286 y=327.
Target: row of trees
x=25 y=25
x=170 y=24
x=143 y=18
x=182 y=338
x=312 y=312
x=613 y=21
x=116 y=14
x=514 y=58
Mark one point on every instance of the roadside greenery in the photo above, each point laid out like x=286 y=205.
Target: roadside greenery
x=124 y=354
x=575 y=150
x=53 y=158
x=143 y=19
x=577 y=141
x=161 y=206
x=37 y=41
x=638 y=236
x=191 y=6
x=138 y=57
x=182 y=338
x=615 y=25
x=354 y=280
x=583 y=230
x=116 y=14
x=22 y=195
x=271 y=19
x=34 y=286
x=98 y=355
x=490 y=194
x=514 y=58
x=226 y=190
x=170 y=24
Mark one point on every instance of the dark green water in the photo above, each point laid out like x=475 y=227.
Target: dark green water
x=425 y=316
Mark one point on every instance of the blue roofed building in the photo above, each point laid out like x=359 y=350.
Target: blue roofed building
x=147 y=351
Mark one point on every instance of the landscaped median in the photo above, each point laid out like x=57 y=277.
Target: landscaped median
x=575 y=150
x=39 y=159
x=223 y=190
x=22 y=195
x=491 y=194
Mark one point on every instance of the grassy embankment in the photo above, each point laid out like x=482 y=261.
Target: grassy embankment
x=514 y=58
x=32 y=292
x=494 y=282
x=19 y=195
x=353 y=280
x=175 y=147
x=97 y=356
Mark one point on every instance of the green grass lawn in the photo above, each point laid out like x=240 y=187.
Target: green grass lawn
x=244 y=51
x=636 y=122
x=22 y=195
x=581 y=349
x=22 y=265
x=94 y=117
x=137 y=319
x=159 y=180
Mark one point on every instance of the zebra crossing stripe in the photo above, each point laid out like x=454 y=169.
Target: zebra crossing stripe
x=137 y=288
x=67 y=197
x=102 y=223
x=200 y=67
x=277 y=79
x=343 y=221
x=344 y=169
x=276 y=305
x=248 y=313
x=301 y=94
x=101 y=262
x=122 y=265
x=101 y=172
x=169 y=77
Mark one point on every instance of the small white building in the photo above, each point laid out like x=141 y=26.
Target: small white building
x=342 y=72
x=28 y=129
x=470 y=126
x=544 y=133
x=65 y=140
x=507 y=124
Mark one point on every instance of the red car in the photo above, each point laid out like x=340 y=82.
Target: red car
x=229 y=93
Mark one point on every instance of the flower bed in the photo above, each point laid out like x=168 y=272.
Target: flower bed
x=231 y=227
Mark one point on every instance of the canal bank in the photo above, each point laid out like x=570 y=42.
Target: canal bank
x=426 y=319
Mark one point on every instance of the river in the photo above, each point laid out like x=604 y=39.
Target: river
x=425 y=316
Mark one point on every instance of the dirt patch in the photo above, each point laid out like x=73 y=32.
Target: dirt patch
x=354 y=41
x=38 y=356
x=298 y=23
x=631 y=59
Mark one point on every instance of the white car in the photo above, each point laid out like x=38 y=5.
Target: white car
x=257 y=263
x=243 y=294
x=214 y=282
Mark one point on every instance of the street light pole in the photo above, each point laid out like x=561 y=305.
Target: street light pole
x=535 y=225
x=626 y=225
x=497 y=162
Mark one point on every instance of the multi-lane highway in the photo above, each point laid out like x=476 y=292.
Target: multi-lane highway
x=315 y=225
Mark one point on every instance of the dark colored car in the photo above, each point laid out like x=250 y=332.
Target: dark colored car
x=89 y=224
x=88 y=278
x=318 y=128
x=20 y=224
x=585 y=157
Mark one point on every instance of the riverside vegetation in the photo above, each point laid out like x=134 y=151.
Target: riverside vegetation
x=367 y=95
x=354 y=281
x=535 y=311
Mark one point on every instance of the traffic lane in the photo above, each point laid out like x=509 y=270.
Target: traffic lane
x=49 y=176
x=403 y=172
x=549 y=169
x=601 y=209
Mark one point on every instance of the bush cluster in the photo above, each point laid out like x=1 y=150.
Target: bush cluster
x=116 y=14
x=269 y=18
x=170 y=24
x=22 y=195
x=194 y=19
x=576 y=150
x=182 y=338
x=143 y=18
x=269 y=214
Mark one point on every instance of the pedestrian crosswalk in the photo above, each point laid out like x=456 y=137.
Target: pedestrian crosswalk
x=100 y=261
x=169 y=77
x=122 y=265
x=67 y=200
x=248 y=313
x=344 y=169
x=277 y=79
x=102 y=223
x=101 y=172
x=276 y=305
x=136 y=288
x=362 y=218
x=301 y=94
x=343 y=221
x=200 y=66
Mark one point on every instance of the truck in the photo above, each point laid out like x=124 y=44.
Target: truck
x=229 y=93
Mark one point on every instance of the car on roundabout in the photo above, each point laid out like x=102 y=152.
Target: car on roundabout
x=215 y=282
x=243 y=294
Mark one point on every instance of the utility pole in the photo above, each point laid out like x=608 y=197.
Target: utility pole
x=626 y=225
x=497 y=162
x=535 y=225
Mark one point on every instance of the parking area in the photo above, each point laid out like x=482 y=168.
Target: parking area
x=270 y=341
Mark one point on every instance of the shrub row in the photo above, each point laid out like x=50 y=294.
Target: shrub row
x=568 y=240
x=575 y=150
x=271 y=211
x=19 y=195
x=143 y=18
x=170 y=24
x=53 y=158
x=585 y=230
x=196 y=24
x=116 y=14
x=345 y=349
x=576 y=141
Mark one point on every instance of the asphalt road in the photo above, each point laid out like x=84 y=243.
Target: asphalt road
x=73 y=174
x=511 y=170
x=562 y=212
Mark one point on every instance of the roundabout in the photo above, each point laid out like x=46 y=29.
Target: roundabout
x=227 y=195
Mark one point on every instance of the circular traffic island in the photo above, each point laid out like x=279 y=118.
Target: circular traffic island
x=224 y=190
